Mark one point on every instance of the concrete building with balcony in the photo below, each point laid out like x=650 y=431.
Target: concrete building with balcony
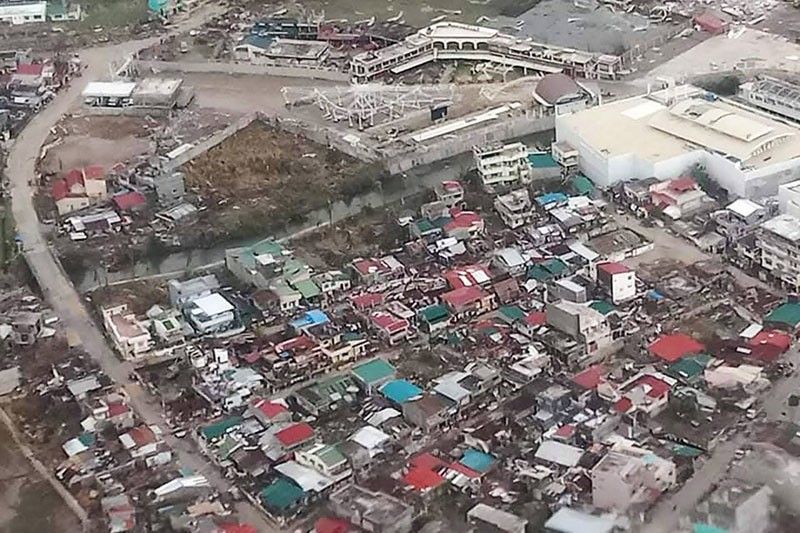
x=464 y=42
x=515 y=208
x=502 y=166
x=779 y=242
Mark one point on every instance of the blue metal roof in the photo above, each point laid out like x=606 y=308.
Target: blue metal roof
x=551 y=198
x=400 y=391
x=311 y=318
x=477 y=460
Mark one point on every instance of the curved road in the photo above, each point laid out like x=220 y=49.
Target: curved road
x=56 y=286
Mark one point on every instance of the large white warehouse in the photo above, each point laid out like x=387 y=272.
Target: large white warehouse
x=664 y=134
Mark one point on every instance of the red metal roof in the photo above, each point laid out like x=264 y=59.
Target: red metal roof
x=623 y=405
x=613 y=268
x=658 y=388
x=116 y=409
x=30 y=69
x=331 y=525
x=238 y=528
x=367 y=300
x=369 y=266
x=270 y=409
x=463 y=219
x=683 y=184
x=295 y=344
x=536 y=318
x=388 y=322
x=422 y=478
x=142 y=436
x=778 y=339
x=94 y=172
x=129 y=200
x=590 y=378
x=295 y=434
x=451 y=185
x=566 y=431
x=59 y=190
x=463 y=296
x=674 y=346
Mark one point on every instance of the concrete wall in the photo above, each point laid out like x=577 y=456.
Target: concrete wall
x=210 y=142
x=319 y=73
x=519 y=126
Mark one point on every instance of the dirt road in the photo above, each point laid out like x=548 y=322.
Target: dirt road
x=54 y=283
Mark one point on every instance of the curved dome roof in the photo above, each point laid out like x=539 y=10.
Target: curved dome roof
x=554 y=87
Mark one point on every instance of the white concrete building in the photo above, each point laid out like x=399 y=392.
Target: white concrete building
x=773 y=95
x=129 y=336
x=789 y=198
x=502 y=166
x=666 y=133
x=456 y=41
x=625 y=476
x=779 y=242
x=618 y=280
x=22 y=12
x=211 y=313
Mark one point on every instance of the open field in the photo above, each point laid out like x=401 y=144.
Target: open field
x=418 y=13
x=261 y=179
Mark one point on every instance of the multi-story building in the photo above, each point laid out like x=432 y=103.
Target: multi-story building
x=779 y=242
x=502 y=166
x=666 y=133
x=581 y=322
x=740 y=218
x=22 y=11
x=789 y=198
x=618 y=280
x=515 y=208
x=773 y=95
x=627 y=475
x=457 y=41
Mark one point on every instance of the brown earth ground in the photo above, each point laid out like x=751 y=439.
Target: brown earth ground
x=27 y=503
x=262 y=179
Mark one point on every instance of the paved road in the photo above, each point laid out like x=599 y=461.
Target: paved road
x=666 y=515
x=54 y=283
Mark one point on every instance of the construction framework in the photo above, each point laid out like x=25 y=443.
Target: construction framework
x=365 y=105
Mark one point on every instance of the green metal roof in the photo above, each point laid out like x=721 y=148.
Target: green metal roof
x=541 y=160
x=217 y=429
x=308 y=289
x=434 y=313
x=547 y=270
x=267 y=247
x=331 y=456
x=424 y=226
x=373 y=371
x=688 y=367
x=602 y=306
x=583 y=185
x=512 y=313
x=281 y=494
x=788 y=313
